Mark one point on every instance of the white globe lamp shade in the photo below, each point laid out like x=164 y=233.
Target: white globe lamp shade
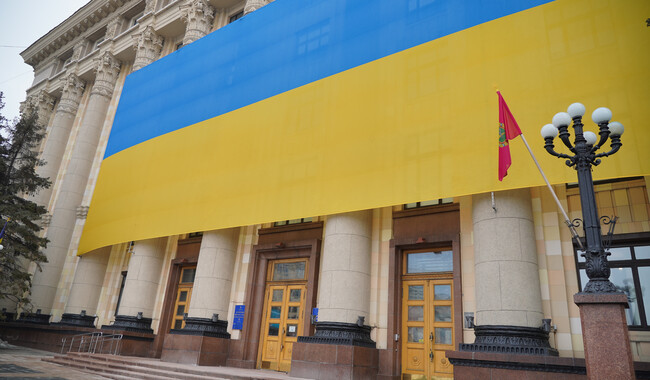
x=1 y=246
x=561 y=119
x=601 y=115
x=590 y=137
x=615 y=128
x=576 y=109
x=549 y=130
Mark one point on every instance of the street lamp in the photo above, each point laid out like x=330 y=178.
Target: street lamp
x=584 y=149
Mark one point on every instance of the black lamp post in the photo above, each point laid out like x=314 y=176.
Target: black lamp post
x=585 y=156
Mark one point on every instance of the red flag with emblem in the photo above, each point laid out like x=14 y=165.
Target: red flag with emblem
x=508 y=130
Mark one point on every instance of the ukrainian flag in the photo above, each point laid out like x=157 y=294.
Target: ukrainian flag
x=307 y=108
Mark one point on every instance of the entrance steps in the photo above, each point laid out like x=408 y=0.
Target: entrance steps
x=128 y=367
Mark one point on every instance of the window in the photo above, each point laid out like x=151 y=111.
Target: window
x=630 y=272
x=292 y=221
x=194 y=234
x=236 y=16
x=435 y=202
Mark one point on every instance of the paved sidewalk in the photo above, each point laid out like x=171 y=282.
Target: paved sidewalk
x=22 y=363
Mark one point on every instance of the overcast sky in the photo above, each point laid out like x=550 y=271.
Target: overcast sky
x=22 y=22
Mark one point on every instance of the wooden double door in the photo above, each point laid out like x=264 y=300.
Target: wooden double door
x=427 y=328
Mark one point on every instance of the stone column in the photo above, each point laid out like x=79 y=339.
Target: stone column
x=57 y=138
x=141 y=286
x=81 y=308
x=253 y=5
x=198 y=15
x=214 y=272
x=148 y=45
x=508 y=296
x=143 y=278
x=73 y=184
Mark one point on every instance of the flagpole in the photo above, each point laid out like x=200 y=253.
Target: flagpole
x=567 y=221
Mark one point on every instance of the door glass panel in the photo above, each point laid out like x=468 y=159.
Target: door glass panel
x=274 y=329
x=182 y=297
x=276 y=311
x=416 y=313
x=292 y=330
x=442 y=313
x=442 y=292
x=289 y=271
x=416 y=334
x=277 y=295
x=443 y=335
x=416 y=292
x=178 y=324
x=429 y=262
x=293 y=312
x=294 y=295
x=180 y=310
x=188 y=275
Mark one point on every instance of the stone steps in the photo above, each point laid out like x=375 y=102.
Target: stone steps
x=127 y=367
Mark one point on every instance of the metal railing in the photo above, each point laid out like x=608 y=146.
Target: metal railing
x=93 y=343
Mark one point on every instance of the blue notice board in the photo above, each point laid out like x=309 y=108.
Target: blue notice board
x=238 y=320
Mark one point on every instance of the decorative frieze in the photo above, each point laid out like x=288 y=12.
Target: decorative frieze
x=107 y=70
x=343 y=334
x=149 y=6
x=253 y=5
x=510 y=340
x=42 y=103
x=198 y=15
x=147 y=48
x=73 y=89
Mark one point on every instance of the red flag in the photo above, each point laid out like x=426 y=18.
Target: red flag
x=508 y=130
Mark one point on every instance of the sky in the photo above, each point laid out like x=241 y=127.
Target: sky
x=22 y=22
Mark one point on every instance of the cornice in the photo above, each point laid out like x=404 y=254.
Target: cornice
x=88 y=16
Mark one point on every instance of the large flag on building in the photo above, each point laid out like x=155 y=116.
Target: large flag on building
x=508 y=130
x=306 y=108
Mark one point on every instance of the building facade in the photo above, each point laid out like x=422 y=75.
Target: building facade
x=396 y=286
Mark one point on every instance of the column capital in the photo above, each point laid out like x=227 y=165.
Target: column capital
x=148 y=45
x=42 y=103
x=253 y=5
x=198 y=15
x=149 y=6
x=78 y=50
x=73 y=88
x=107 y=70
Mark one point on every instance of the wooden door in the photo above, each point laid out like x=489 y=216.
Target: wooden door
x=183 y=297
x=427 y=329
x=283 y=321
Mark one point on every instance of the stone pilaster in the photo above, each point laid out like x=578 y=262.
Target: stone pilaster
x=78 y=50
x=148 y=45
x=87 y=284
x=214 y=272
x=114 y=27
x=253 y=5
x=198 y=15
x=57 y=138
x=74 y=182
x=143 y=278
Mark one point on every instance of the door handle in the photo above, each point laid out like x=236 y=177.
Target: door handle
x=431 y=336
x=431 y=356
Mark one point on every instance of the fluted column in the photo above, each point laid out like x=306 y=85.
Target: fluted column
x=88 y=282
x=198 y=15
x=57 y=138
x=345 y=266
x=74 y=182
x=147 y=48
x=214 y=271
x=143 y=278
x=505 y=254
x=253 y=5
